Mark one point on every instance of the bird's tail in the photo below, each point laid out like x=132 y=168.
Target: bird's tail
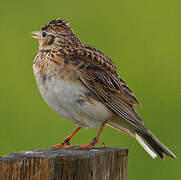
x=147 y=140
x=152 y=145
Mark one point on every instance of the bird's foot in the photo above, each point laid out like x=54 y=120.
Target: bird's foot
x=91 y=145
x=65 y=143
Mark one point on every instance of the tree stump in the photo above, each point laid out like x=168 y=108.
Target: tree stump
x=65 y=164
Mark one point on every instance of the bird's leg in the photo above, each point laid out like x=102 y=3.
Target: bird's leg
x=94 y=141
x=66 y=142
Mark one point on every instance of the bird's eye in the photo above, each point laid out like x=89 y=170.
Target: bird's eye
x=44 y=34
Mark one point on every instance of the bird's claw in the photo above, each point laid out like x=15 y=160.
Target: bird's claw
x=91 y=145
x=65 y=143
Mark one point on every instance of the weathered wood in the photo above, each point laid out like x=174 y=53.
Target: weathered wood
x=65 y=164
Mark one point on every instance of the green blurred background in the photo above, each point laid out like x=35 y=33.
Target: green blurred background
x=144 y=40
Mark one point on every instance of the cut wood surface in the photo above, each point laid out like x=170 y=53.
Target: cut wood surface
x=65 y=164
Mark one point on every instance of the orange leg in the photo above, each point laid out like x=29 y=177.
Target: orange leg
x=66 y=142
x=94 y=141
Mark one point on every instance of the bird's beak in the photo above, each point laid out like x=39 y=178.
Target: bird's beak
x=37 y=34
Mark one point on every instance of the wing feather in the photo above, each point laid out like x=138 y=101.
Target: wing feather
x=98 y=73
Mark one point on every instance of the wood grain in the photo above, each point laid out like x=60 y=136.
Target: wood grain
x=65 y=164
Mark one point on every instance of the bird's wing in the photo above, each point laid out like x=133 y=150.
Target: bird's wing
x=98 y=73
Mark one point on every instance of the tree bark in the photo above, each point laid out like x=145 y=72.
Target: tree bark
x=65 y=164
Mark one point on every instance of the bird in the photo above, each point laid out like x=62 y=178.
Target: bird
x=81 y=83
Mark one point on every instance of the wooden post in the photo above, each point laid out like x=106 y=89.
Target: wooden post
x=65 y=164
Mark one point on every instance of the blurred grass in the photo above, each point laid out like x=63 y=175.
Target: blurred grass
x=143 y=39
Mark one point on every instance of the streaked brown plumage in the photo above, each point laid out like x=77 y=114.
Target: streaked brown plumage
x=86 y=80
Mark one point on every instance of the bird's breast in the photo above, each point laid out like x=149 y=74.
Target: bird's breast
x=63 y=92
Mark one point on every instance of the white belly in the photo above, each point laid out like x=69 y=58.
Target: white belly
x=68 y=98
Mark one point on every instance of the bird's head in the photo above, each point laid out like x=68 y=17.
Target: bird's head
x=56 y=34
